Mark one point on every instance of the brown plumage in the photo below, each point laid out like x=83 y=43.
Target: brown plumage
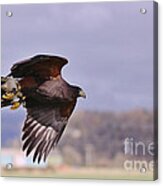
x=49 y=101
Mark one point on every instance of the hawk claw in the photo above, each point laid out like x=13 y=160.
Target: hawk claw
x=8 y=96
x=15 y=105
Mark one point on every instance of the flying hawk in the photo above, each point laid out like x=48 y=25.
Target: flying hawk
x=37 y=84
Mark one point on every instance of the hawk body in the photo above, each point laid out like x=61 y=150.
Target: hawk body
x=49 y=101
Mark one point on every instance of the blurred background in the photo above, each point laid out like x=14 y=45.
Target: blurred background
x=110 y=51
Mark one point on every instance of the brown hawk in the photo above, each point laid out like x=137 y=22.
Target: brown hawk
x=37 y=83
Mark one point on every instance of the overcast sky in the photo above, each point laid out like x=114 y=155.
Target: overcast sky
x=108 y=45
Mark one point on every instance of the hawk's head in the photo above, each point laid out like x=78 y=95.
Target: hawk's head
x=78 y=92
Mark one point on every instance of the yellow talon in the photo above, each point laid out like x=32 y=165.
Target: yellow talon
x=15 y=105
x=24 y=97
x=8 y=96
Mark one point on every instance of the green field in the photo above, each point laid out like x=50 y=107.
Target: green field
x=78 y=173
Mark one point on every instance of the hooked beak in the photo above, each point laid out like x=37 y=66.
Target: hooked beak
x=82 y=94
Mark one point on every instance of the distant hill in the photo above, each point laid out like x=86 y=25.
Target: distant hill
x=104 y=133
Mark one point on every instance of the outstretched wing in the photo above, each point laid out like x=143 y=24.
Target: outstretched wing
x=43 y=128
x=40 y=66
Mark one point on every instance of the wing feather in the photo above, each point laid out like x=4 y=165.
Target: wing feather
x=39 y=66
x=41 y=134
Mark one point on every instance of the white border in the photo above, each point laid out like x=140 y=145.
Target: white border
x=42 y=182
x=58 y=1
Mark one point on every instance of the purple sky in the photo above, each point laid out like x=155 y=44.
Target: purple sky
x=108 y=45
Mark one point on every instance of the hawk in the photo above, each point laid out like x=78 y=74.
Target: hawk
x=37 y=84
